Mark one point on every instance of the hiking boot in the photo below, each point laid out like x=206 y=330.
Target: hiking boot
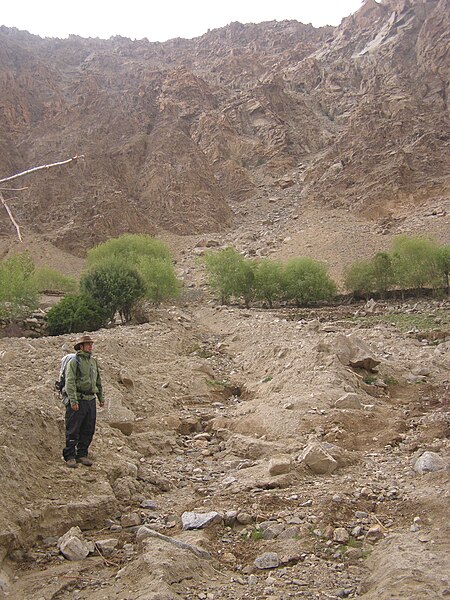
x=71 y=463
x=84 y=460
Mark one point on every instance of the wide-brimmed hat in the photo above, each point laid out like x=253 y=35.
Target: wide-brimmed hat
x=83 y=339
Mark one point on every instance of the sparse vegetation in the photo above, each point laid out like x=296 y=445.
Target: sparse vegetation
x=414 y=263
x=47 y=279
x=128 y=247
x=306 y=280
x=148 y=257
x=18 y=291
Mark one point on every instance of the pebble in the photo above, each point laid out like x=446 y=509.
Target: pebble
x=360 y=514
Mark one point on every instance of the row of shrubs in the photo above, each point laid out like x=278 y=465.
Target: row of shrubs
x=119 y=273
x=124 y=271
x=302 y=280
x=413 y=263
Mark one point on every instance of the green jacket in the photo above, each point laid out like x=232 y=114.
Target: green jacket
x=83 y=382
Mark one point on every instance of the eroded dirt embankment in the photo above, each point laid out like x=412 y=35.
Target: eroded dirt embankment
x=210 y=410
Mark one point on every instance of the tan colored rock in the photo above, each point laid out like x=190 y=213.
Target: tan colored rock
x=353 y=351
x=318 y=459
x=280 y=464
x=349 y=400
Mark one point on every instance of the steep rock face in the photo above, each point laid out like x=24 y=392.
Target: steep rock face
x=174 y=134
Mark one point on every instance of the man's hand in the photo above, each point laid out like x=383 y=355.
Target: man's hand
x=75 y=407
x=101 y=403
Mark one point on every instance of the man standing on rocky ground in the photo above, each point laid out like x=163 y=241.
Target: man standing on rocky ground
x=83 y=384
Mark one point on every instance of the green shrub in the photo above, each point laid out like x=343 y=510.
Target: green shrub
x=230 y=275
x=443 y=266
x=129 y=248
x=114 y=285
x=18 y=293
x=382 y=272
x=159 y=279
x=74 y=314
x=359 y=278
x=414 y=262
x=306 y=280
x=48 y=279
x=268 y=281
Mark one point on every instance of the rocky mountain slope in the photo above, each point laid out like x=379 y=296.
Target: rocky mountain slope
x=182 y=136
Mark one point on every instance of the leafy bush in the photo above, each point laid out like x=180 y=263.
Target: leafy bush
x=382 y=272
x=128 y=248
x=306 y=280
x=74 y=314
x=359 y=278
x=443 y=265
x=114 y=285
x=414 y=262
x=268 y=281
x=230 y=275
x=159 y=279
x=48 y=279
x=18 y=293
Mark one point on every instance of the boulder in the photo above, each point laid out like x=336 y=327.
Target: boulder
x=428 y=462
x=374 y=534
x=268 y=560
x=340 y=535
x=106 y=547
x=194 y=520
x=354 y=352
x=280 y=464
x=318 y=459
x=118 y=417
x=130 y=520
x=72 y=545
x=349 y=400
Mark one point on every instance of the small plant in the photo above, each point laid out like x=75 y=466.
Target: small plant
x=370 y=379
x=256 y=534
x=352 y=543
x=389 y=380
x=215 y=383
x=267 y=379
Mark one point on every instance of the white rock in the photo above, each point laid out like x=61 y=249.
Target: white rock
x=428 y=462
x=72 y=545
x=193 y=520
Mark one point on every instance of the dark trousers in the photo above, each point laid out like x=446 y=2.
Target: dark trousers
x=80 y=427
